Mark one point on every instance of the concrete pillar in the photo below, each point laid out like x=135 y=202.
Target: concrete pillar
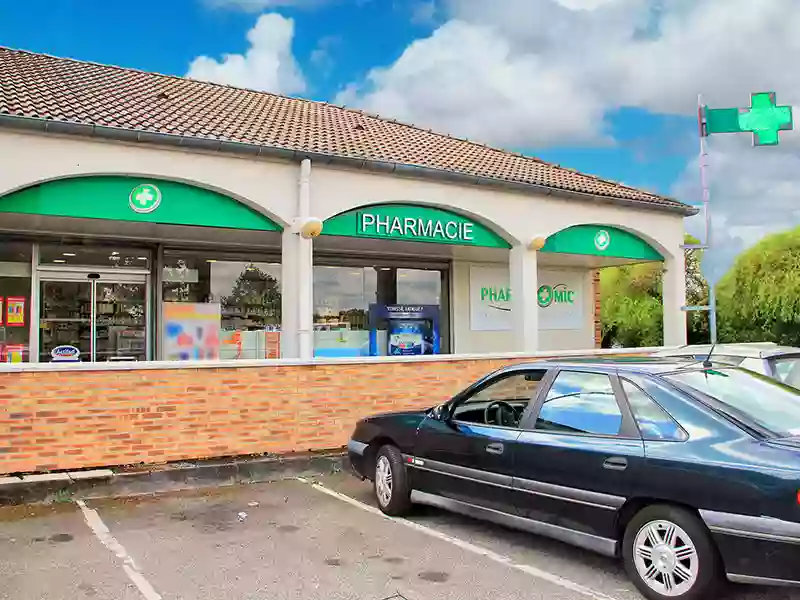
x=674 y=298
x=305 y=269
x=524 y=272
x=297 y=278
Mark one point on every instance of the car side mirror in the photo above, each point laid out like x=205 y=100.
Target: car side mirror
x=439 y=413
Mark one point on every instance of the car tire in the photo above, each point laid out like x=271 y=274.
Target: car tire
x=391 y=482
x=668 y=553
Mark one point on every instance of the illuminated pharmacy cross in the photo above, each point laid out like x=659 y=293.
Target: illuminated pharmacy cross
x=765 y=119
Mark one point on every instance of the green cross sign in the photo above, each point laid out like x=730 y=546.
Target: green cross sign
x=144 y=198
x=602 y=240
x=764 y=119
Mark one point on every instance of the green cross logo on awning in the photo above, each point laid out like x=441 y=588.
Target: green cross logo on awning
x=764 y=119
x=145 y=198
x=602 y=240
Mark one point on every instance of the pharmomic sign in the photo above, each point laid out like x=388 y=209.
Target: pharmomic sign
x=413 y=223
x=559 y=299
x=555 y=294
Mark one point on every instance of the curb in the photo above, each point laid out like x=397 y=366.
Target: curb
x=104 y=483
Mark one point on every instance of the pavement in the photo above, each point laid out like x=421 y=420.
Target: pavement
x=289 y=540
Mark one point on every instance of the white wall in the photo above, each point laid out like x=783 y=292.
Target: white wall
x=271 y=187
x=467 y=341
x=28 y=159
x=521 y=216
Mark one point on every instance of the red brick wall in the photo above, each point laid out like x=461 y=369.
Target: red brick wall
x=76 y=419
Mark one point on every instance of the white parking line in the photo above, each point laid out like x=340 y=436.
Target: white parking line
x=103 y=534
x=468 y=546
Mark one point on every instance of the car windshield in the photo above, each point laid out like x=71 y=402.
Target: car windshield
x=772 y=406
x=787 y=370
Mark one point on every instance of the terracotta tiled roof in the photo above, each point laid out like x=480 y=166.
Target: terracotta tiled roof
x=58 y=89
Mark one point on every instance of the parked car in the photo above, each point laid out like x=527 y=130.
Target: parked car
x=767 y=358
x=689 y=474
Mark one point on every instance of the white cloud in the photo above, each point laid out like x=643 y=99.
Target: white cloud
x=322 y=54
x=261 y=5
x=544 y=72
x=467 y=80
x=267 y=65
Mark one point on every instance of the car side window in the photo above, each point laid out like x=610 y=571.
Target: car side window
x=653 y=421
x=515 y=391
x=582 y=403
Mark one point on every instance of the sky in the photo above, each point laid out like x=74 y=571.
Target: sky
x=608 y=87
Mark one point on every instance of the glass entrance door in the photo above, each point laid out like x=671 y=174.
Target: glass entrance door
x=89 y=316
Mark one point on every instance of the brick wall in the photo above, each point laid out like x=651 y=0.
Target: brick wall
x=69 y=419
x=74 y=419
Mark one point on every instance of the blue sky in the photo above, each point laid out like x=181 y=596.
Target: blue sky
x=169 y=35
x=608 y=87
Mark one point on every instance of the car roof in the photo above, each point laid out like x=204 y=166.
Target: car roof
x=743 y=350
x=628 y=364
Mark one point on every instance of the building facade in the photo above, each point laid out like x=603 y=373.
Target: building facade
x=153 y=218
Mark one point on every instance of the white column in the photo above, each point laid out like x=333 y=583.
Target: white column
x=305 y=269
x=524 y=306
x=674 y=298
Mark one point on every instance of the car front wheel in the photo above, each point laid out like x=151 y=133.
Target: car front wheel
x=391 y=482
x=668 y=553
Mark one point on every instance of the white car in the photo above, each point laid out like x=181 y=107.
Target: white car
x=779 y=362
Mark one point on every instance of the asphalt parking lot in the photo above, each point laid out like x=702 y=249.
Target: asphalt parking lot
x=289 y=540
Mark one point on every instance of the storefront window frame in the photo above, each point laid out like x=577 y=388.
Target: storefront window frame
x=445 y=267
x=273 y=256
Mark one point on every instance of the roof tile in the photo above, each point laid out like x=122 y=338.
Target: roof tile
x=47 y=87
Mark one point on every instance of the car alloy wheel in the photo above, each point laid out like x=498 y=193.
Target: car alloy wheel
x=383 y=480
x=666 y=558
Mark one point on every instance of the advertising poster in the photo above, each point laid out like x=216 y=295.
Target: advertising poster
x=411 y=330
x=15 y=311
x=2 y=310
x=191 y=331
x=560 y=296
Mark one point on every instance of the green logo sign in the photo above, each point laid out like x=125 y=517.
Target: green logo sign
x=764 y=119
x=555 y=294
x=602 y=240
x=145 y=198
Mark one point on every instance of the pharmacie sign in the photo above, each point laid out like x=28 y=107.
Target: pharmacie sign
x=559 y=297
x=412 y=223
x=453 y=231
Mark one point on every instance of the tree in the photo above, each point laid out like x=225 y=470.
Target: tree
x=255 y=291
x=698 y=331
x=759 y=298
x=631 y=306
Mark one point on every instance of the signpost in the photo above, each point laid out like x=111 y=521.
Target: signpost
x=764 y=120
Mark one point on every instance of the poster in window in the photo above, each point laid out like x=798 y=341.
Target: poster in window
x=191 y=331
x=15 y=311
x=2 y=312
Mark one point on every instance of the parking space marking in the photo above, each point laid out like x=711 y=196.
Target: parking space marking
x=102 y=533
x=468 y=546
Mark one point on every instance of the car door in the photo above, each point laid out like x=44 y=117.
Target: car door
x=578 y=455
x=468 y=457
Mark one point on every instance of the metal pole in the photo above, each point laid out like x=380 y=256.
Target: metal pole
x=712 y=296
